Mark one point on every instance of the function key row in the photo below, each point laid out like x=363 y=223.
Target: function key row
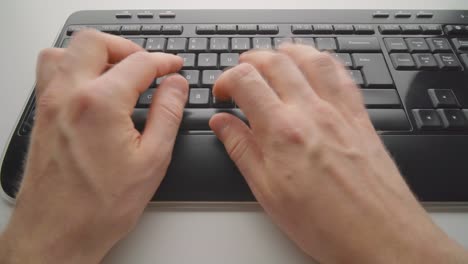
x=209 y=29
x=332 y=29
x=456 y=29
x=148 y=29
x=410 y=29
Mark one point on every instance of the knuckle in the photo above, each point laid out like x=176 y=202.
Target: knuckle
x=277 y=59
x=290 y=132
x=142 y=56
x=322 y=61
x=83 y=101
x=326 y=117
x=47 y=106
x=237 y=148
x=46 y=55
x=244 y=73
x=172 y=112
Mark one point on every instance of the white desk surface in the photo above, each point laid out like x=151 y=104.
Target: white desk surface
x=173 y=235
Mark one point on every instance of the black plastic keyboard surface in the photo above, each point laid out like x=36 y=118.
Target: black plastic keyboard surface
x=411 y=66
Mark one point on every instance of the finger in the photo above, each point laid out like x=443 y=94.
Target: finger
x=282 y=74
x=47 y=62
x=165 y=115
x=241 y=146
x=326 y=76
x=90 y=52
x=134 y=75
x=251 y=93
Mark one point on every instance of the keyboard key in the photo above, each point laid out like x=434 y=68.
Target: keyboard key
x=229 y=60
x=343 y=29
x=411 y=29
x=151 y=29
x=226 y=29
x=279 y=41
x=390 y=29
x=424 y=14
x=219 y=44
x=222 y=104
x=402 y=14
x=111 y=29
x=417 y=45
x=240 y=44
x=396 y=45
x=145 y=15
x=461 y=44
x=447 y=61
x=389 y=119
x=176 y=45
x=302 y=29
x=198 y=44
x=380 y=14
x=454 y=29
x=443 y=98
x=199 y=97
x=403 y=61
x=189 y=59
x=439 y=45
x=453 y=119
x=131 y=30
x=172 y=29
x=192 y=76
x=425 y=61
x=374 y=68
x=364 y=29
x=247 y=29
x=305 y=41
x=268 y=29
x=155 y=44
x=358 y=44
x=207 y=60
x=205 y=29
x=381 y=98
x=139 y=41
x=464 y=58
x=431 y=29
x=356 y=75
x=145 y=99
x=209 y=77
x=345 y=59
x=326 y=44
x=427 y=119
x=261 y=43
x=197 y=119
x=323 y=29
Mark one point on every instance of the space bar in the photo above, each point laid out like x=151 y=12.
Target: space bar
x=194 y=119
x=197 y=119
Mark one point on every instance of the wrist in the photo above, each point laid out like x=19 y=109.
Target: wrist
x=38 y=241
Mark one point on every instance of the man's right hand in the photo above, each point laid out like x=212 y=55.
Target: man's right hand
x=315 y=163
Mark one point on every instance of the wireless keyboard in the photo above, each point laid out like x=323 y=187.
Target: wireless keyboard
x=411 y=66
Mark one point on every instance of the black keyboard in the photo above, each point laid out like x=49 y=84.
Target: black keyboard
x=411 y=66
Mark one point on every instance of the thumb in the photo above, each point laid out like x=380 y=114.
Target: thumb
x=240 y=144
